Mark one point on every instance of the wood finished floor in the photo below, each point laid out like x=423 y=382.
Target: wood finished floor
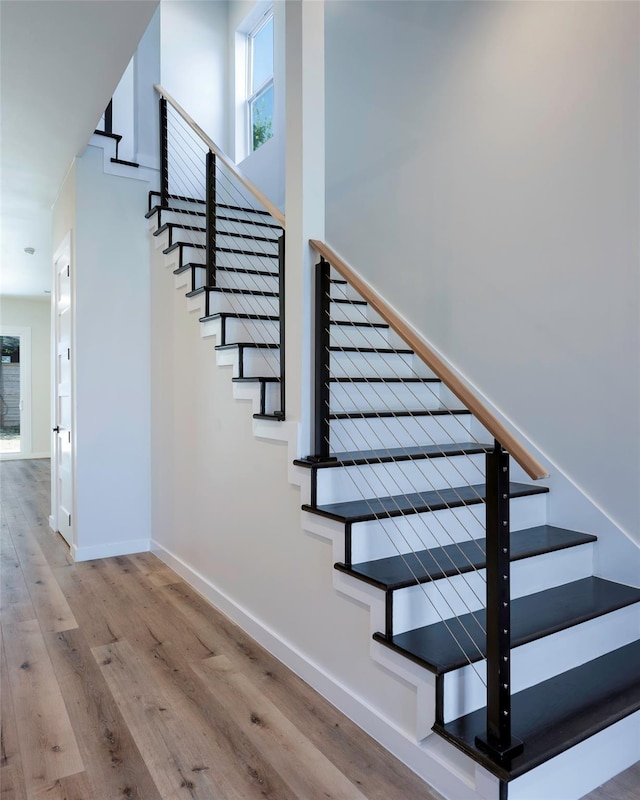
x=119 y=681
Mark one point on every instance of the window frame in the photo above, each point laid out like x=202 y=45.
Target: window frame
x=254 y=94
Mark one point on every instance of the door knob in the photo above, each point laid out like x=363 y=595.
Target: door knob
x=56 y=429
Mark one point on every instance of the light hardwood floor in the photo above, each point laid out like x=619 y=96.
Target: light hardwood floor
x=119 y=681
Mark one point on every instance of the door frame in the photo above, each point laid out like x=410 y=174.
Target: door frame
x=64 y=250
x=24 y=333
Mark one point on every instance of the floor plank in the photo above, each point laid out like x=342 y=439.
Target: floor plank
x=181 y=764
x=48 y=746
x=188 y=706
x=115 y=768
x=302 y=766
x=12 y=783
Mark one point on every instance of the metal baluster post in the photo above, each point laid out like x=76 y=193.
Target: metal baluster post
x=108 y=117
x=164 y=155
x=211 y=222
x=281 y=325
x=322 y=371
x=498 y=740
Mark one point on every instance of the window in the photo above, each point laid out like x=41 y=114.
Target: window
x=260 y=82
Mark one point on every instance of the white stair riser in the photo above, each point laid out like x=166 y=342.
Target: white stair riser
x=182 y=205
x=372 y=432
x=242 y=216
x=383 y=365
x=344 y=290
x=260 y=362
x=388 y=537
x=188 y=236
x=350 y=397
x=246 y=280
x=242 y=304
x=359 y=336
x=449 y=597
x=537 y=661
x=236 y=243
x=337 y=485
x=249 y=330
x=584 y=767
x=190 y=255
x=261 y=262
x=248 y=228
x=352 y=312
x=178 y=218
x=272 y=397
x=183 y=279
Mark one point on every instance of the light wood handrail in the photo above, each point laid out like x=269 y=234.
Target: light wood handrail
x=260 y=196
x=528 y=463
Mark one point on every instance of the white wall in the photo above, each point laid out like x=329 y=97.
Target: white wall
x=193 y=37
x=35 y=314
x=111 y=351
x=482 y=174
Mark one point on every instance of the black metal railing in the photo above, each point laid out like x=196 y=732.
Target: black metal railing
x=234 y=228
x=498 y=741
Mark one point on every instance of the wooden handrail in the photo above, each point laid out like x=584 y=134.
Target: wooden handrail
x=528 y=463
x=260 y=196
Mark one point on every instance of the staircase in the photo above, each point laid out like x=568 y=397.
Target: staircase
x=399 y=470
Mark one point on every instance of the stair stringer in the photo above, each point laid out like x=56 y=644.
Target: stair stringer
x=443 y=766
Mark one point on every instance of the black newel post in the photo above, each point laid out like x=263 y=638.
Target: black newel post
x=108 y=117
x=322 y=371
x=281 y=309
x=164 y=155
x=211 y=218
x=498 y=741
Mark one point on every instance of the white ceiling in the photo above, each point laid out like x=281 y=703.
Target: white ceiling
x=60 y=61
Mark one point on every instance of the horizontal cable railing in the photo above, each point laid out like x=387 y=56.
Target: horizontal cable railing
x=381 y=410
x=230 y=238
x=528 y=462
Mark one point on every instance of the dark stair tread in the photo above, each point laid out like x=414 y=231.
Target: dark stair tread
x=126 y=163
x=181 y=197
x=221 y=268
x=348 y=301
x=233 y=315
x=277 y=415
x=109 y=135
x=396 y=572
x=179 y=225
x=414 y=503
x=383 y=350
x=559 y=713
x=188 y=266
x=177 y=245
x=247 y=271
x=257 y=379
x=257 y=222
x=532 y=617
x=384 y=455
x=255 y=345
x=349 y=324
x=384 y=380
x=227 y=290
x=422 y=412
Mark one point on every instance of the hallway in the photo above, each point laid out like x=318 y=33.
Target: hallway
x=120 y=681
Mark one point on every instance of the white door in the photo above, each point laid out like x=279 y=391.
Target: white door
x=62 y=454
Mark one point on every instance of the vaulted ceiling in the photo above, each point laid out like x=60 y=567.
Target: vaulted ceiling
x=60 y=62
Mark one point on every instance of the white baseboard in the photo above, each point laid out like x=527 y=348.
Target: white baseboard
x=22 y=456
x=441 y=766
x=110 y=550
